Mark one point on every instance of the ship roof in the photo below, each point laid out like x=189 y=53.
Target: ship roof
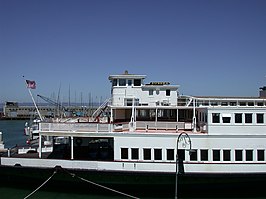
x=231 y=97
x=127 y=75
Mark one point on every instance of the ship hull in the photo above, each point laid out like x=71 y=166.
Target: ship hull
x=138 y=184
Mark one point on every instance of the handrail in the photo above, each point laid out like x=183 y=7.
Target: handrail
x=100 y=109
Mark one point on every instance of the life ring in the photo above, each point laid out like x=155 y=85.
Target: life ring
x=78 y=141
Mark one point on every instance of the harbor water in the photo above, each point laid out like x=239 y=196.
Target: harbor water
x=13 y=134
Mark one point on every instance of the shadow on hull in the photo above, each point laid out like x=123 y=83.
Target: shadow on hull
x=135 y=184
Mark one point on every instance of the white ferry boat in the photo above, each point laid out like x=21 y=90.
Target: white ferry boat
x=148 y=136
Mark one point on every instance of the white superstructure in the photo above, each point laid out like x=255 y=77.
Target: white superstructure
x=220 y=135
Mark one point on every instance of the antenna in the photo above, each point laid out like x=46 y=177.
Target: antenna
x=69 y=96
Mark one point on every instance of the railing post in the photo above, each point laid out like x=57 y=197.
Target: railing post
x=40 y=146
x=72 y=148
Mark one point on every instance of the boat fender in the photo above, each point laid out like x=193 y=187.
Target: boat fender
x=28 y=141
x=78 y=141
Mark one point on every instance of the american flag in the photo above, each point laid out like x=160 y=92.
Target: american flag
x=31 y=84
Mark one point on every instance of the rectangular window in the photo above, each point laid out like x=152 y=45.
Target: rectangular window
x=114 y=82
x=194 y=155
x=260 y=155
x=216 y=155
x=122 y=82
x=168 y=92
x=226 y=119
x=238 y=117
x=226 y=155
x=259 y=104
x=260 y=119
x=170 y=153
x=232 y=103
x=157 y=154
x=248 y=118
x=128 y=102
x=224 y=104
x=150 y=92
x=124 y=153
x=249 y=155
x=250 y=103
x=238 y=155
x=242 y=103
x=147 y=154
x=204 y=155
x=134 y=154
x=137 y=82
x=129 y=82
x=181 y=154
x=216 y=118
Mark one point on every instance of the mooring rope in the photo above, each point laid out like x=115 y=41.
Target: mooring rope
x=99 y=185
x=40 y=185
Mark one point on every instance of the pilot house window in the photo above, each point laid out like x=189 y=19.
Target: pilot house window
x=122 y=82
x=137 y=82
x=114 y=82
x=129 y=82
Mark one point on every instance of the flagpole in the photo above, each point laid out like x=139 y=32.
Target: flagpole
x=35 y=105
x=29 y=89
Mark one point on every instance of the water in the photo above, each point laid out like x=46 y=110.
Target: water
x=13 y=134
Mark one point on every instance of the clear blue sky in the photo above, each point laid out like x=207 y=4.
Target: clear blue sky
x=208 y=47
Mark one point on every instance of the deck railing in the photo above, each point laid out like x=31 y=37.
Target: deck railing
x=90 y=127
x=107 y=127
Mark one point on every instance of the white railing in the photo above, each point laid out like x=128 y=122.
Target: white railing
x=106 y=127
x=89 y=127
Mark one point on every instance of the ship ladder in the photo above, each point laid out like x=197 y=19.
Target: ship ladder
x=100 y=109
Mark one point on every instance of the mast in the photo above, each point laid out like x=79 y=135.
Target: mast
x=69 y=96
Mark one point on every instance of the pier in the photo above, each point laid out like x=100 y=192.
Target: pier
x=15 y=111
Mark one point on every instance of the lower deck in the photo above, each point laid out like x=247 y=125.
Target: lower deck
x=135 y=151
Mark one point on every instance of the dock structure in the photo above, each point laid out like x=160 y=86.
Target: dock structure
x=13 y=110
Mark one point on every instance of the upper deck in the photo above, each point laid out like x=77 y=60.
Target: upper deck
x=157 y=107
x=140 y=127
